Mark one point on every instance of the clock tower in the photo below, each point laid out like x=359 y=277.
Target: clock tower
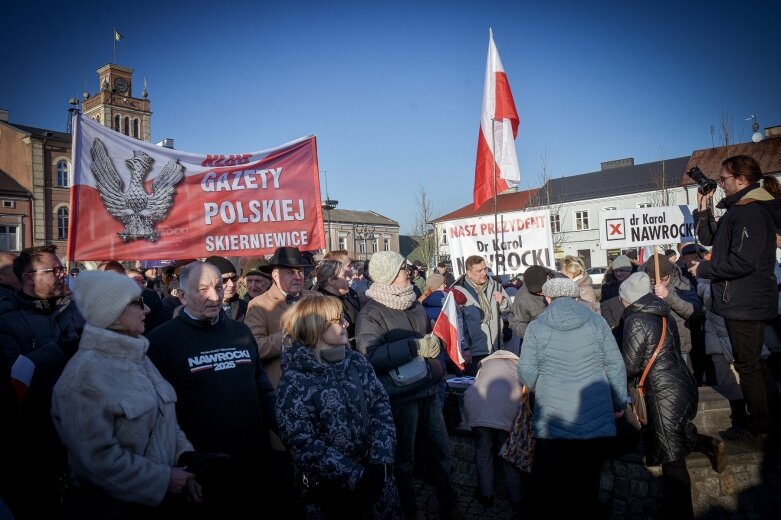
x=114 y=105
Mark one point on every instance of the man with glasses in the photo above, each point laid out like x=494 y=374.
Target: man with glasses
x=234 y=306
x=39 y=333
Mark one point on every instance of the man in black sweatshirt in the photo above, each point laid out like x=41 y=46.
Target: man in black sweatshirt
x=225 y=401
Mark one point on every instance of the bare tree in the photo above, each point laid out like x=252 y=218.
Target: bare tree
x=424 y=214
x=663 y=186
x=725 y=127
x=545 y=199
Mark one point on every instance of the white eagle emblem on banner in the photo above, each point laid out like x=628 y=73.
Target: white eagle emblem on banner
x=138 y=210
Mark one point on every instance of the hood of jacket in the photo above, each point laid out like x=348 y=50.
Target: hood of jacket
x=565 y=314
x=649 y=304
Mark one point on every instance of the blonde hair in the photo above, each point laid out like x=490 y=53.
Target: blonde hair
x=573 y=265
x=327 y=270
x=308 y=319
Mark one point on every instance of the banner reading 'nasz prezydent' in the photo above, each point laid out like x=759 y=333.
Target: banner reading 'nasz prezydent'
x=132 y=200
x=517 y=241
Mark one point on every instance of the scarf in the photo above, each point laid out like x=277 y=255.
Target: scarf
x=482 y=297
x=399 y=298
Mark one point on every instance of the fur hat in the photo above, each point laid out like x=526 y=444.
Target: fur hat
x=223 y=264
x=635 y=287
x=557 y=287
x=534 y=277
x=434 y=281
x=665 y=267
x=621 y=261
x=384 y=267
x=101 y=296
x=253 y=267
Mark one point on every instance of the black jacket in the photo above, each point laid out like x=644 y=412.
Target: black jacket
x=744 y=286
x=350 y=308
x=670 y=390
x=387 y=337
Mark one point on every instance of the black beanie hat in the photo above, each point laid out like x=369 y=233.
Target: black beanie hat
x=535 y=276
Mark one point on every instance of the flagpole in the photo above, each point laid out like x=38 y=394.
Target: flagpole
x=114 y=37
x=496 y=221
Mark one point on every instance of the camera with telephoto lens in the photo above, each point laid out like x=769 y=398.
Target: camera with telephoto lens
x=705 y=184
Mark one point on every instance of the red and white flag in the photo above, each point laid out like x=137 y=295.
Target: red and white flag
x=498 y=130
x=21 y=377
x=448 y=329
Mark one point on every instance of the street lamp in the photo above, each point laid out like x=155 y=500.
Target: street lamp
x=365 y=232
x=328 y=205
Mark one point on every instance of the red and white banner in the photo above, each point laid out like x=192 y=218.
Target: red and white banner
x=448 y=329
x=132 y=200
x=498 y=130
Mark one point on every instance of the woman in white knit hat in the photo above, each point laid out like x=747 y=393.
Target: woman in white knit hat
x=114 y=411
x=670 y=392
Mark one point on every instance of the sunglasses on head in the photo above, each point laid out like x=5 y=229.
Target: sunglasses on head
x=138 y=302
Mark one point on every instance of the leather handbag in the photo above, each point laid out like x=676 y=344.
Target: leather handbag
x=518 y=449
x=637 y=392
x=410 y=372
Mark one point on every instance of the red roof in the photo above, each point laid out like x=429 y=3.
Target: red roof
x=767 y=152
x=505 y=202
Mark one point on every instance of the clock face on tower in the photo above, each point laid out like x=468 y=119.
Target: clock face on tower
x=121 y=85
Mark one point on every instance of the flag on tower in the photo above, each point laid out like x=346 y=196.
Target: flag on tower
x=496 y=162
x=117 y=36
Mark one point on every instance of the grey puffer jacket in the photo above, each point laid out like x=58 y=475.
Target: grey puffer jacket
x=482 y=337
x=526 y=308
x=670 y=389
x=116 y=416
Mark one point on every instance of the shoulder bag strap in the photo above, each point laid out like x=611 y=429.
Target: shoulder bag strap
x=653 y=358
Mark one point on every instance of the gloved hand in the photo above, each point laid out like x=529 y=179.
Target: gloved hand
x=370 y=486
x=428 y=346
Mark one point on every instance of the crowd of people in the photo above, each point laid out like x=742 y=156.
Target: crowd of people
x=207 y=387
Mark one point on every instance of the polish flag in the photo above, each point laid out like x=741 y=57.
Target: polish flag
x=448 y=329
x=21 y=377
x=498 y=130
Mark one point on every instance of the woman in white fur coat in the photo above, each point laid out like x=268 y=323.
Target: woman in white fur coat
x=115 y=413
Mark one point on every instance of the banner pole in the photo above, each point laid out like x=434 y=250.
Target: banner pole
x=656 y=265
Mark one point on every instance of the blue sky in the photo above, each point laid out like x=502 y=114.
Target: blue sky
x=393 y=90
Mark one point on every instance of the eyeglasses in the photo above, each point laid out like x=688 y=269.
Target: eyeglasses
x=233 y=278
x=341 y=320
x=58 y=270
x=722 y=179
x=138 y=302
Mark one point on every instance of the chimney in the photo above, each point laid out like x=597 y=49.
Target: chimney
x=3 y=115
x=770 y=131
x=619 y=163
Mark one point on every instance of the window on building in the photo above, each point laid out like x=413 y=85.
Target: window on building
x=127 y=125
x=644 y=205
x=581 y=220
x=63 y=174
x=97 y=118
x=375 y=245
x=135 y=128
x=386 y=246
x=62 y=223
x=555 y=223
x=444 y=236
x=117 y=121
x=343 y=243
x=362 y=247
x=9 y=238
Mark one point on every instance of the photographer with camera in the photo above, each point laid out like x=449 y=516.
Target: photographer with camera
x=743 y=284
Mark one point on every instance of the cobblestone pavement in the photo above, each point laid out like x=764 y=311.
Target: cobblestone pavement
x=428 y=508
